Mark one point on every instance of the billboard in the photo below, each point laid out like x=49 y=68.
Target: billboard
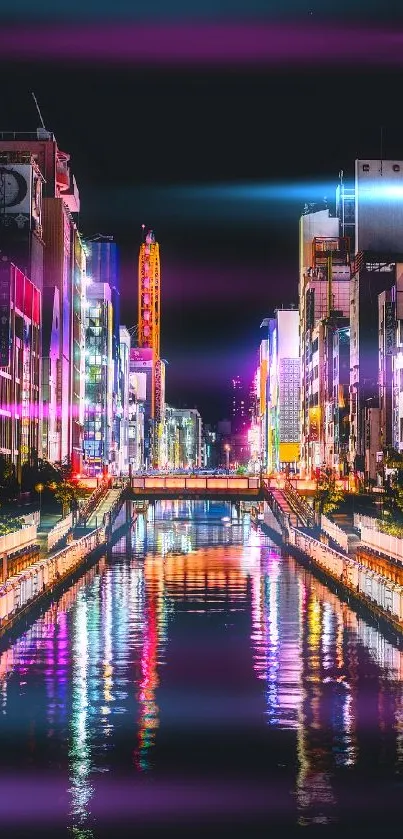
x=141 y=357
x=390 y=328
x=20 y=195
x=314 y=419
x=138 y=385
x=379 y=205
x=5 y=312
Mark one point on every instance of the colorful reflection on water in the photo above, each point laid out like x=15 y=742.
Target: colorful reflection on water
x=198 y=676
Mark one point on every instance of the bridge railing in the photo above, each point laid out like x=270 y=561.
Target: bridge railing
x=303 y=510
x=197 y=483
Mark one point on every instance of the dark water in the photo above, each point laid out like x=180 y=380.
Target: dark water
x=198 y=680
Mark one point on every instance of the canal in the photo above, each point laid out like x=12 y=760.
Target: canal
x=196 y=678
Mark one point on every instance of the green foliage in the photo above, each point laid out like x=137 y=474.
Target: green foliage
x=392 y=528
x=40 y=473
x=66 y=493
x=9 y=487
x=394 y=459
x=242 y=470
x=328 y=498
x=9 y=524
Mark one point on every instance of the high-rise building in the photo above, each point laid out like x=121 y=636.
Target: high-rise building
x=375 y=286
x=240 y=415
x=137 y=398
x=184 y=438
x=20 y=325
x=103 y=268
x=283 y=391
x=99 y=381
x=123 y=407
x=323 y=300
x=42 y=236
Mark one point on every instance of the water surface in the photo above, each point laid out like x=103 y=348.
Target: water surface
x=197 y=679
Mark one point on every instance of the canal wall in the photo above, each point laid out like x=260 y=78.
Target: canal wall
x=41 y=580
x=381 y=596
x=19 y=593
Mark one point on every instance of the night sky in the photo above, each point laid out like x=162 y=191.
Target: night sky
x=214 y=130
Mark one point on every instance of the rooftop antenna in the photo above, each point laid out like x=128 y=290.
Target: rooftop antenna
x=38 y=109
x=143 y=227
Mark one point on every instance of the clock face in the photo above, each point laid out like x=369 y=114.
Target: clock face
x=13 y=187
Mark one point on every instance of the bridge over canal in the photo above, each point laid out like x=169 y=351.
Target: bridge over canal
x=198 y=487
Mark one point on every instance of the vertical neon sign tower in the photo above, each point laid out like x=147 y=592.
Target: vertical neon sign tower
x=149 y=327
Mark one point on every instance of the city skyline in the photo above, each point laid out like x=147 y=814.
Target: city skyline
x=219 y=161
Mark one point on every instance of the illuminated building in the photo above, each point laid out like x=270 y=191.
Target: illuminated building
x=240 y=422
x=278 y=388
x=99 y=380
x=283 y=391
x=21 y=206
x=239 y=406
x=337 y=397
x=375 y=323
x=124 y=384
x=262 y=410
x=324 y=286
x=54 y=197
x=209 y=447
x=20 y=325
x=141 y=368
x=102 y=268
x=184 y=438
x=149 y=280
x=136 y=419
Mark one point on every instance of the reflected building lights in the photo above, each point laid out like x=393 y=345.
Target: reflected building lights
x=153 y=636
x=81 y=790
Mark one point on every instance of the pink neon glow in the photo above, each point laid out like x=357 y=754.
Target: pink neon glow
x=206 y=43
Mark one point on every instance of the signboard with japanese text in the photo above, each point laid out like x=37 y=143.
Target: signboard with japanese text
x=5 y=312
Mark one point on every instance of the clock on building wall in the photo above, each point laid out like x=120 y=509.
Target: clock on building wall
x=13 y=188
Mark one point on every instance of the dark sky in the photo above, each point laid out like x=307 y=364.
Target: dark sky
x=214 y=130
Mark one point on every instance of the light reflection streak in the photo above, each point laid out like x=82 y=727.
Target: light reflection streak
x=81 y=790
x=153 y=636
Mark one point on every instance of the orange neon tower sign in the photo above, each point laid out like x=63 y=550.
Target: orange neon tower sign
x=149 y=308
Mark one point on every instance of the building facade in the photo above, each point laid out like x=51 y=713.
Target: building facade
x=324 y=303
x=99 y=381
x=283 y=391
x=20 y=363
x=184 y=438
x=123 y=402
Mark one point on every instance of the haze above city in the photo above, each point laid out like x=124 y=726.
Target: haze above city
x=218 y=157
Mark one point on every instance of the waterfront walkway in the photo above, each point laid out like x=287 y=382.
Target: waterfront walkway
x=335 y=551
x=106 y=504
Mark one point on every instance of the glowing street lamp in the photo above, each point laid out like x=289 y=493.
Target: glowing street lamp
x=227 y=449
x=39 y=488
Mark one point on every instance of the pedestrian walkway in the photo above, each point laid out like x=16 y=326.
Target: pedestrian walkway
x=281 y=501
x=345 y=522
x=104 y=507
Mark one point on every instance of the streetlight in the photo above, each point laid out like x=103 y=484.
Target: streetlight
x=39 y=488
x=227 y=449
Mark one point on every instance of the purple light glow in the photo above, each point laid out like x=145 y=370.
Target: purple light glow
x=206 y=43
x=28 y=800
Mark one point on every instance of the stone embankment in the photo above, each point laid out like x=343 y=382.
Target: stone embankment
x=336 y=554
x=20 y=592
